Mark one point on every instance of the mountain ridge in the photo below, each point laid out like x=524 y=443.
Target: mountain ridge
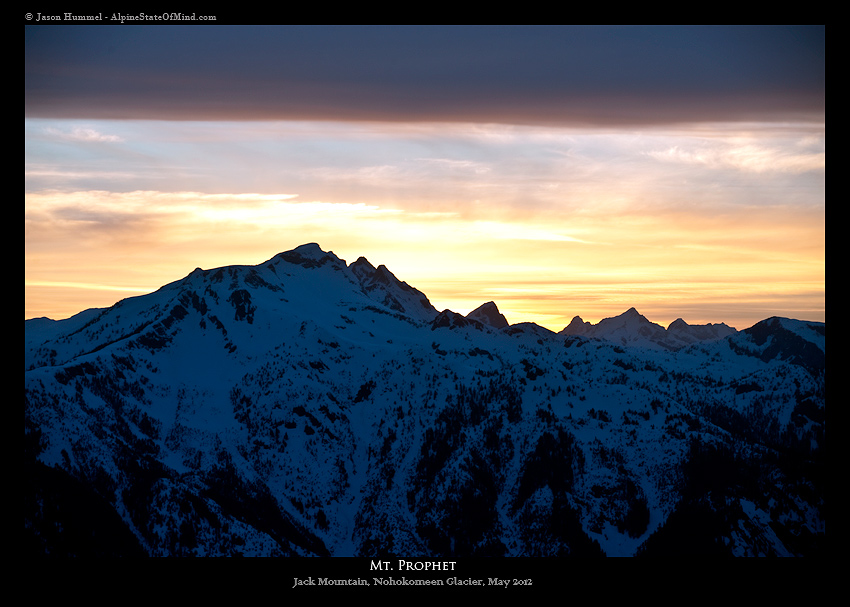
x=381 y=284
x=305 y=406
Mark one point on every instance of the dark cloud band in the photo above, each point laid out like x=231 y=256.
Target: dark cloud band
x=564 y=75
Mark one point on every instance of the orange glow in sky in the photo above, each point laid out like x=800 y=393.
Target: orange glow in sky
x=675 y=234
x=554 y=182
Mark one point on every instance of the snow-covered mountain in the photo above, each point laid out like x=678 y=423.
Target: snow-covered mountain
x=305 y=406
x=633 y=329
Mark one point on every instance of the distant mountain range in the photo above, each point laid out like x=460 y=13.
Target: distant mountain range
x=632 y=329
x=306 y=406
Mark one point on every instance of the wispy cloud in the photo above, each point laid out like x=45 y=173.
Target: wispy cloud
x=744 y=156
x=86 y=286
x=503 y=230
x=83 y=134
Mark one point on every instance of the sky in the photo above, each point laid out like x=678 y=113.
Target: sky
x=558 y=171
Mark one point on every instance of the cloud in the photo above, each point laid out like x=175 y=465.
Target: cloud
x=82 y=134
x=85 y=286
x=597 y=216
x=520 y=75
x=750 y=157
x=486 y=172
x=503 y=230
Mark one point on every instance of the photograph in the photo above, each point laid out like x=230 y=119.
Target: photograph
x=450 y=304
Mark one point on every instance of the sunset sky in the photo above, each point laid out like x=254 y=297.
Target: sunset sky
x=558 y=171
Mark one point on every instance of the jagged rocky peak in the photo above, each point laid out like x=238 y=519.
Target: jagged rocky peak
x=632 y=313
x=629 y=320
x=362 y=269
x=576 y=327
x=369 y=275
x=693 y=333
x=382 y=285
x=488 y=314
x=678 y=325
x=383 y=275
x=632 y=328
x=453 y=320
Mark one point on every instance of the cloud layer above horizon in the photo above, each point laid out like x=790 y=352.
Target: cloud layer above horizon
x=557 y=171
x=575 y=76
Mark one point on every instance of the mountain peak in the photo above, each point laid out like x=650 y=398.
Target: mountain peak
x=383 y=275
x=362 y=262
x=677 y=325
x=632 y=328
x=312 y=250
x=799 y=342
x=453 y=320
x=362 y=270
x=308 y=255
x=577 y=326
x=488 y=314
x=383 y=286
